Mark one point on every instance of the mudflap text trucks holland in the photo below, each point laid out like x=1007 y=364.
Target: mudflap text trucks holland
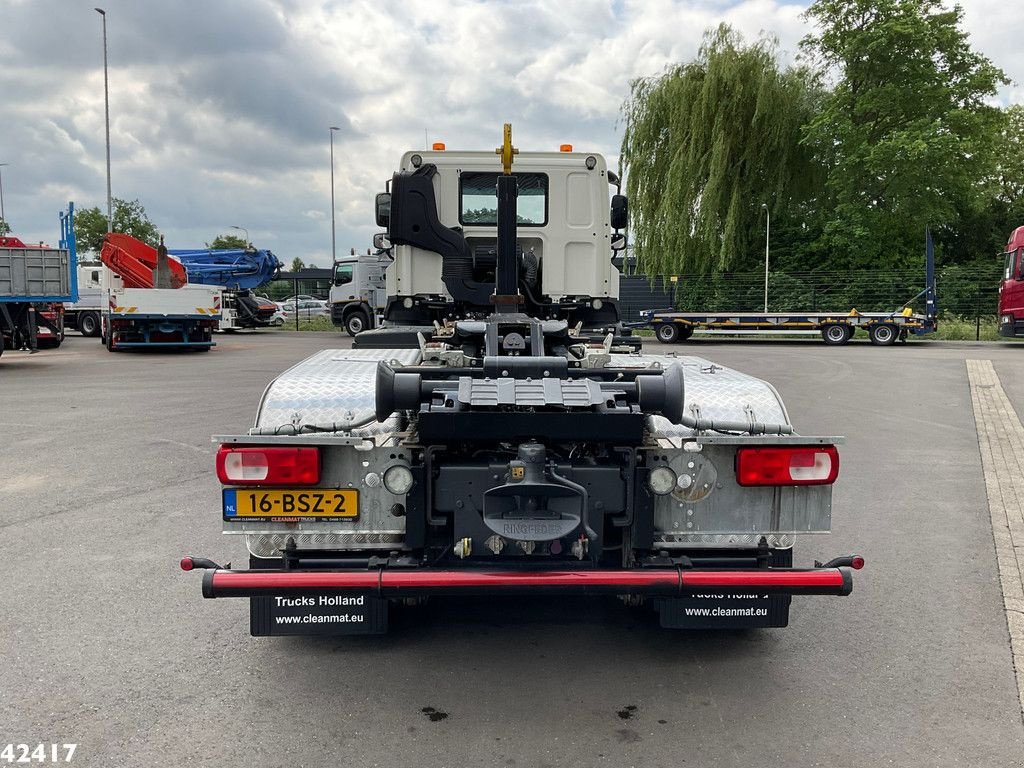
x=520 y=444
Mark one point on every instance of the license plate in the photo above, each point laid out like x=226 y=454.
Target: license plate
x=277 y=505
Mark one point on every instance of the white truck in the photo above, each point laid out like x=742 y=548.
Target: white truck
x=359 y=294
x=138 y=314
x=84 y=315
x=501 y=434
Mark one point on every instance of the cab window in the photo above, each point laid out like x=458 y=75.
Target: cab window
x=342 y=274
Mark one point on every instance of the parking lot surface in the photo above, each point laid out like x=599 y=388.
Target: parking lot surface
x=106 y=480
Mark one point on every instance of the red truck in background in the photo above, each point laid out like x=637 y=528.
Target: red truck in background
x=1011 y=288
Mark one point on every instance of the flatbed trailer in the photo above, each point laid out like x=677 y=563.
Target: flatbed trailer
x=836 y=327
x=883 y=328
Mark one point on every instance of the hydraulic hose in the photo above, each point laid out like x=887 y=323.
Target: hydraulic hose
x=307 y=429
x=749 y=427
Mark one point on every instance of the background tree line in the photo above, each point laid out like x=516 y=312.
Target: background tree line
x=884 y=126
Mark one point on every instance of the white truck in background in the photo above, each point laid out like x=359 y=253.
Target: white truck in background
x=358 y=294
x=84 y=315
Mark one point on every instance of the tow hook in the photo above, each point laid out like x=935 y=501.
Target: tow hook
x=850 y=561
x=189 y=563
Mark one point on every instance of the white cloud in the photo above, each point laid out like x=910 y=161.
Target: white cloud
x=220 y=110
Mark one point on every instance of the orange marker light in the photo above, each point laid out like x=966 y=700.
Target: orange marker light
x=565 y=148
x=439 y=146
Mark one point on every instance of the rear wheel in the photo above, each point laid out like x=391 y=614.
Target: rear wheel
x=356 y=322
x=883 y=334
x=89 y=324
x=836 y=334
x=667 y=333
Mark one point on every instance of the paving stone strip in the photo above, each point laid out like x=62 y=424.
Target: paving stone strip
x=1001 y=441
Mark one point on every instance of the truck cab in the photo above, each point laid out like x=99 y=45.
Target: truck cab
x=1011 y=287
x=441 y=217
x=358 y=294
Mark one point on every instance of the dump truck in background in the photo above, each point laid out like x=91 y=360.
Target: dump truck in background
x=148 y=302
x=37 y=278
x=501 y=433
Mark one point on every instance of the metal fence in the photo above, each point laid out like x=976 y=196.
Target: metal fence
x=968 y=292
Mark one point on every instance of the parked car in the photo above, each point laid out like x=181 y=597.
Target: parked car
x=307 y=309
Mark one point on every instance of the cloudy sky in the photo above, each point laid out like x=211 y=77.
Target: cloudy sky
x=220 y=108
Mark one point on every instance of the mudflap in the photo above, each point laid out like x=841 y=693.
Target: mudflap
x=724 y=611
x=716 y=611
x=325 y=614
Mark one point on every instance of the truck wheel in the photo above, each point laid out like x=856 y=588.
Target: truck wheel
x=108 y=341
x=836 y=334
x=667 y=333
x=883 y=334
x=89 y=324
x=356 y=322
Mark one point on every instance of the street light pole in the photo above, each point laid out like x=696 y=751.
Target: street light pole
x=767 y=239
x=246 y=231
x=106 y=107
x=3 y=218
x=334 y=248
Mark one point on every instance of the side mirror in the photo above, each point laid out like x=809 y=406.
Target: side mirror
x=383 y=206
x=381 y=242
x=618 y=241
x=620 y=212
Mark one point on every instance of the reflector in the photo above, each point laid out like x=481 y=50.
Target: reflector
x=267 y=465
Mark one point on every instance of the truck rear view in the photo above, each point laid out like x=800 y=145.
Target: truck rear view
x=522 y=443
x=148 y=302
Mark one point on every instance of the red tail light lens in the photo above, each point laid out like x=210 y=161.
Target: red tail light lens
x=796 y=465
x=268 y=465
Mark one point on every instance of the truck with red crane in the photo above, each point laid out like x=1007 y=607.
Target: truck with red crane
x=148 y=301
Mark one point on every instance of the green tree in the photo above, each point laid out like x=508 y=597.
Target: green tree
x=705 y=144
x=297 y=264
x=906 y=130
x=5 y=228
x=129 y=218
x=227 y=242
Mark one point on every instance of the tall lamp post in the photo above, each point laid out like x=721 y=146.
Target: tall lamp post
x=334 y=252
x=3 y=218
x=246 y=231
x=767 y=236
x=106 y=107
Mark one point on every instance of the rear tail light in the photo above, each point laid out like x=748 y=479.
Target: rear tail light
x=268 y=465
x=798 y=465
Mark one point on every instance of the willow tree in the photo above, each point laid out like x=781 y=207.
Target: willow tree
x=705 y=144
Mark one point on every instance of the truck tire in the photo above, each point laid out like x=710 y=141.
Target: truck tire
x=836 y=334
x=667 y=333
x=883 y=334
x=89 y=324
x=356 y=322
x=108 y=341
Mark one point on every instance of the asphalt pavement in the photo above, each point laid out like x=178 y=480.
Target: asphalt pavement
x=106 y=480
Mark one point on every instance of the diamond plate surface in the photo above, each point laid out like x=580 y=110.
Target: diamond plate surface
x=715 y=392
x=335 y=385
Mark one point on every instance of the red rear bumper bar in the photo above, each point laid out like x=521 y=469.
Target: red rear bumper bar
x=411 y=583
